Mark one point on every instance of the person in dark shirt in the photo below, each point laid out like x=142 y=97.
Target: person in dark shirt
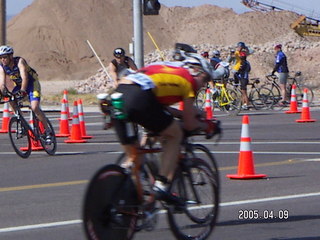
x=281 y=67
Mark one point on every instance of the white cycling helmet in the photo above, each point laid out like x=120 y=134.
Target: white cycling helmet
x=191 y=58
x=216 y=53
x=6 y=50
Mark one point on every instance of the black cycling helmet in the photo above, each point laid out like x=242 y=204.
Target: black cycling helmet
x=119 y=52
x=241 y=44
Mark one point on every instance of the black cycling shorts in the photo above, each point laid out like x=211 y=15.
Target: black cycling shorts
x=143 y=108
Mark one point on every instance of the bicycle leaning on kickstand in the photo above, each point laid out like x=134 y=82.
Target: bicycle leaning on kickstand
x=120 y=201
x=23 y=136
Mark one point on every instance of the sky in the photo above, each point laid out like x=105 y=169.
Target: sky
x=310 y=8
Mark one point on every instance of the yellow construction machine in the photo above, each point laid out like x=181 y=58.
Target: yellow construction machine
x=304 y=26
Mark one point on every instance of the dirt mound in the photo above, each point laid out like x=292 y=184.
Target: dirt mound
x=54 y=41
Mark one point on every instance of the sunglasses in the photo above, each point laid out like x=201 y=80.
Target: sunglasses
x=4 y=56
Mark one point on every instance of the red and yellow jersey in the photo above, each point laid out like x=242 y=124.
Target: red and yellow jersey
x=173 y=84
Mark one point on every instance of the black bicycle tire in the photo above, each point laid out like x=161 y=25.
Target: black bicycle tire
x=200 y=99
x=49 y=151
x=209 y=220
x=110 y=205
x=211 y=159
x=13 y=133
x=261 y=100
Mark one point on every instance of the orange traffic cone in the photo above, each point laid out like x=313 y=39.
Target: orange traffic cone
x=75 y=136
x=293 y=101
x=5 y=118
x=35 y=144
x=246 y=162
x=65 y=97
x=305 y=114
x=208 y=106
x=64 y=123
x=82 y=122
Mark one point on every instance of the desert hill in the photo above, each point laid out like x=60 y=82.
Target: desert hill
x=52 y=35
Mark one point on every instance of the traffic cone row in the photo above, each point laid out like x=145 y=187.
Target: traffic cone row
x=75 y=136
x=246 y=161
x=5 y=119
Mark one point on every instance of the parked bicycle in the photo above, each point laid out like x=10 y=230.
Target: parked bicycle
x=260 y=97
x=273 y=85
x=24 y=135
x=120 y=202
x=223 y=98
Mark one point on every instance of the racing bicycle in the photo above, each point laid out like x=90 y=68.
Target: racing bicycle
x=23 y=135
x=120 y=202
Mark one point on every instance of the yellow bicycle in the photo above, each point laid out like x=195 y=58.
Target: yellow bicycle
x=222 y=98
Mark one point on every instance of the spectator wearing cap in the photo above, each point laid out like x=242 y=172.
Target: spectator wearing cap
x=242 y=76
x=281 y=67
x=120 y=63
x=215 y=58
x=205 y=55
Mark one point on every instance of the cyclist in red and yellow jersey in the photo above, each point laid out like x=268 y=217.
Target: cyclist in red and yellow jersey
x=147 y=95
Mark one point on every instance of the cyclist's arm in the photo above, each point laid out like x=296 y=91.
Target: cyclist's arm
x=132 y=65
x=189 y=116
x=2 y=78
x=22 y=65
x=113 y=72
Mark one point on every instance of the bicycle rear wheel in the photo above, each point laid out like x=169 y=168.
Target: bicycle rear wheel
x=19 y=137
x=197 y=185
x=110 y=205
x=299 y=94
x=201 y=98
x=50 y=146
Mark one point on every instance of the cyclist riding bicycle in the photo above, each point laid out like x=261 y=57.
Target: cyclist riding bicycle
x=147 y=95
x=18 y=77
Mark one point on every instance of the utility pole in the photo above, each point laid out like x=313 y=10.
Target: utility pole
x=3 y=26
x=138 y=33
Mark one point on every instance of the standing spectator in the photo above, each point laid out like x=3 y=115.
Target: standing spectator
x=281 y=67
x=215 y=58
x=242 y=76
x=205 y=55
x=119 y=64
x=117 y=69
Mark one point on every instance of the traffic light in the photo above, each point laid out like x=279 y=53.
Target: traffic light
x=151 y=7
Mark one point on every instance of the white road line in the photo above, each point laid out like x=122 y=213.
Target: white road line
x=226 y=204
x=213 y=152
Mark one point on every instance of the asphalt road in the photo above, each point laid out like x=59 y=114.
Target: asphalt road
x=41 y=197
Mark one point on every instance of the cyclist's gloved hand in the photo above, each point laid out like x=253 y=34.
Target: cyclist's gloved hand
x=22 y=94
x=213 y=128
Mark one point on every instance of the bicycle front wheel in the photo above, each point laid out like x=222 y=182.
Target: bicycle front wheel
x=231 y=102
x=49 y=145
x=19 y=137
x=197 y=185
x=110 y=205
x=261 y=98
